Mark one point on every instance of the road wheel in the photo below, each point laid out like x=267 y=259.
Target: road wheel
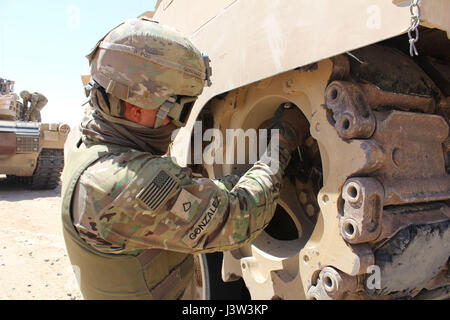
x=47 y=173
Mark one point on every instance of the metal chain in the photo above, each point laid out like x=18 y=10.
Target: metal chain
x=413 y=32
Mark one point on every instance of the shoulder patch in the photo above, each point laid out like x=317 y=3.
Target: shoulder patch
x=155 y=194
x=185 y=205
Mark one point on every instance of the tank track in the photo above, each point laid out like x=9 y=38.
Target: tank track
x=47 y=173
x=382 y=128
x=394 y=210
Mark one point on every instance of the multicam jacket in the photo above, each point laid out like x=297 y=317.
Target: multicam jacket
x=130 y=201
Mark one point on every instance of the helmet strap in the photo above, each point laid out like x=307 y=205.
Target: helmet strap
x=163 y=111
x=116 y=106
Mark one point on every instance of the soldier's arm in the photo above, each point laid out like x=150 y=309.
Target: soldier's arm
x=229 y=181
x=124 y=210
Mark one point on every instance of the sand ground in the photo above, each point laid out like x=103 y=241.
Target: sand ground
x=33 y=261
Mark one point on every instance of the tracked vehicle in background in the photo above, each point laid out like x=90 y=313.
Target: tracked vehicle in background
x=365 y=208
x=31 y=153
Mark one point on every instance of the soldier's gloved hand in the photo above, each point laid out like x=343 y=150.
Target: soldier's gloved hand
x=292 y=124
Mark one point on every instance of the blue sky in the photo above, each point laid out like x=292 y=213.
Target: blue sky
x=43 y=45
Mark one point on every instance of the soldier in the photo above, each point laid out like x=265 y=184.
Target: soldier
x=132 y=217
x=33 y=103
x=38 y=102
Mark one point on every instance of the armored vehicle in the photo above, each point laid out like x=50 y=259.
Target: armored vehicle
x=31 y=152
x=364 y=211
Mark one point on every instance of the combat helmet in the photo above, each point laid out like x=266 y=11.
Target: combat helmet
x=151 y=66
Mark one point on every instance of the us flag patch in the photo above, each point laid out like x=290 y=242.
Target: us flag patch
x=157 y=191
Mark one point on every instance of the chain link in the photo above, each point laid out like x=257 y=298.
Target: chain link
x=413 y=32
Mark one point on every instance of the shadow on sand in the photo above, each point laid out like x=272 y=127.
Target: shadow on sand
x=12 y=192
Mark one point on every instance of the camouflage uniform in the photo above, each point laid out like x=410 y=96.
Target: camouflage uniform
x=114 y=224
x=133 y=218
x=132 y=201
x=38 y=102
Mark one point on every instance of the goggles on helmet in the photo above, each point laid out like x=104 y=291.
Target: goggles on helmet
x=177 y=109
